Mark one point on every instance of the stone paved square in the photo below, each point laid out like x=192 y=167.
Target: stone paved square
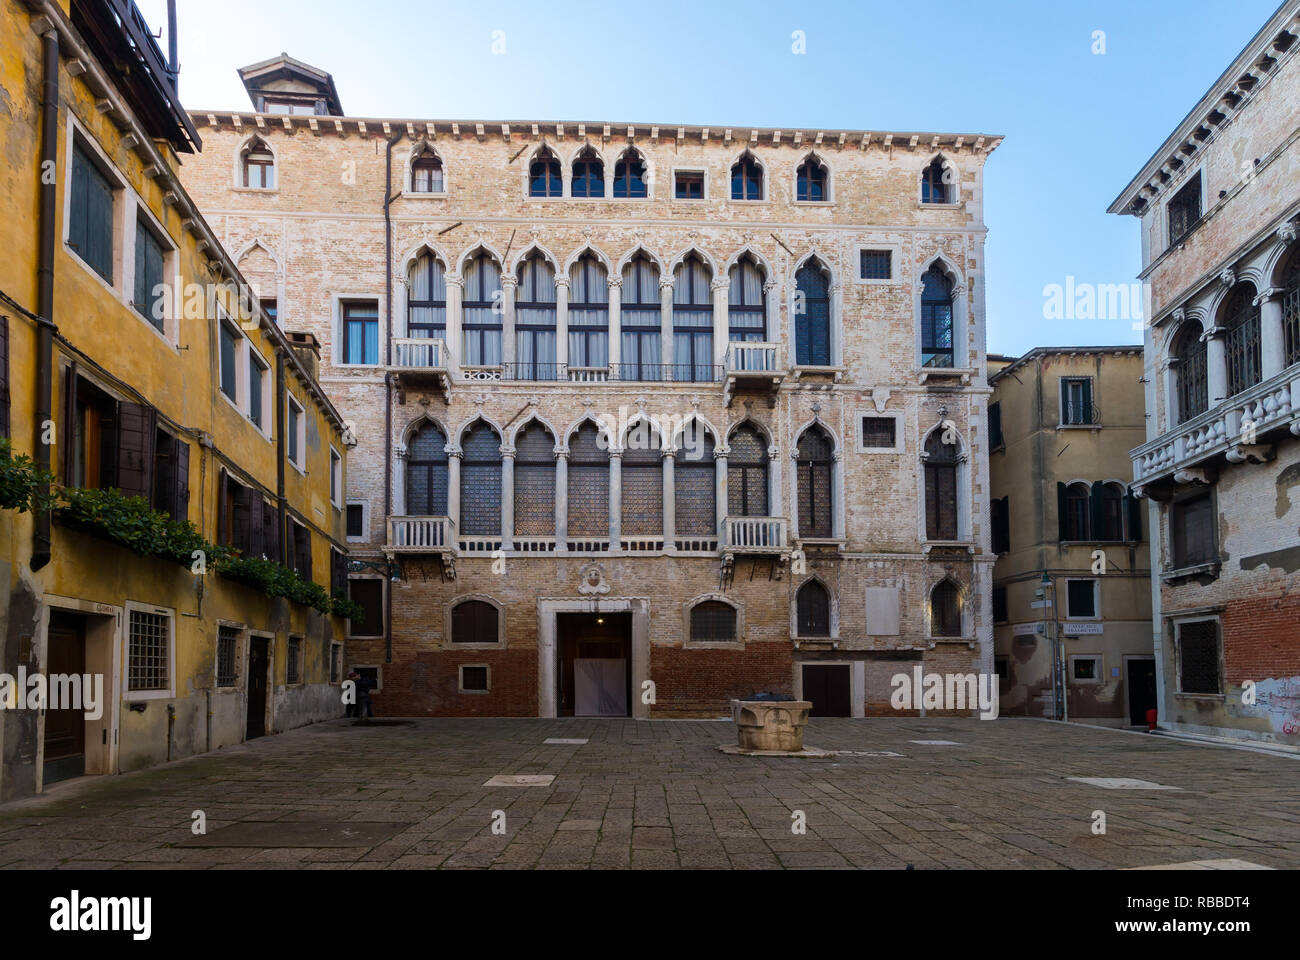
x=659 y=795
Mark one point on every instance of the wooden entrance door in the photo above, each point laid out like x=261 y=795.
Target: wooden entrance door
x=259 y=660
x=65 y=728
x=827 y=686
x=1141 y=689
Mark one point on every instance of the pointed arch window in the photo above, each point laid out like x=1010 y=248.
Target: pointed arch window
x=426 y=473
x=535 y=320
x=426 y=173
x=535 y=482
x=588 y=483
x=747 y=466
x=482 y=312
x=588 y=313
x=936 y=318
x=747 y=302
x=814 y=479
x=693 y=321
x=746 y=179
x=1291 y=311
x=812 y=324
x=945 y=610
x=426 y=304
x=813 y=610
x=810 y=181
x=940 y=488
x=259 y=166
x=934 y=182
x=588 y=175
x=1192 y=372
x=544 y=177
x=1241 y=318
x=639 y=321
x=480 y=482
x=695 y=483
x=629 y=176
x=643 y=487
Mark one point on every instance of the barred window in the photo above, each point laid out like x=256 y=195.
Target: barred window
x=812 y=323
x=1291 y=310
x=535 y=482
x=747 y=466
x=474 y=621
x=813 y=610
x=426 y=472
x=810 y=186
x=1185 y=210
x=695 y=483
x=879 y=432
x=876 y=265
x=1198 y=657
x=940 y=488
x=291 y=665
x=713 y=621
x=814 y=471
x=227 y=644
x=945 y=610
x=1242 y=340
x=747 y=302
x=588 y=483
x=480 y=482
x=149 y=652
x=1192 y=368
x=643 y=489
x=426 y=299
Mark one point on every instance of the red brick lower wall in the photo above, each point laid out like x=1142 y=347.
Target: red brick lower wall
x=428 y=685
x=695 y=682
x=1261 y=638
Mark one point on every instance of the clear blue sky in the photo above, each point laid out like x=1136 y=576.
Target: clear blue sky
x=1078 y=126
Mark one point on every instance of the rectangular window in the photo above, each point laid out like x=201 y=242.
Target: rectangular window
x=474 y=679
x=1000 y=520
x=336 y=477
x=1076 y=401
x=90 y=214
x=1086 y=669
x=995 y=426
x=1000 y=605
x=876 y=265
x=879 y=433
x=1185 y=210
x=1081 y=599
x=688 y=185
x=271 y=307
x=356 y=521
x=1192 y=523
x=1198 y=657
x=258 y=381
x=361 y=332
x=293 y=432
x=227 y=643
x=291 y=658
x=148 y=300
x=149 y=652
x=229 y=350
x=369 y=594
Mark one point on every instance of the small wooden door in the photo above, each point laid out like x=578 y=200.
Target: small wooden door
x=258 y=661
x=65 y=728
x=1141 y=689
x=827 y=687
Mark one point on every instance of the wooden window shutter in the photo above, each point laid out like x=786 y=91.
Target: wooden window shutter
x=181 y=481
x=223 y=508
x=1086 y=413
x=241 y=503
x=136 y=426
x=1097 y=511
x=70 y=431
x=256 y=524
x=1133 y=517
x=1062 y=513
x=271 y=530
x=4 y=376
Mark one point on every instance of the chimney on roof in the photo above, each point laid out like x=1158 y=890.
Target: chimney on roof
x=307 y=347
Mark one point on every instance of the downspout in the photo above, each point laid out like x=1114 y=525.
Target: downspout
x=280 y=387
x=388 y=377
x=45 y=283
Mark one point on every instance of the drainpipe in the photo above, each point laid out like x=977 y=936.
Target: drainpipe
x=173 y=66
x=171 y=728
x=280 y=387
x=45 y=283
x=388 y=377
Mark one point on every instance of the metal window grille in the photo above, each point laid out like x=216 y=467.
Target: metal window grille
x=695 y=483
x=1291 y=311
x=1242 y=340
x=1193 y=382
x=480 y=482
x=945 y=610
x=291 y=660
x=713 y=621
x=426 y=473
x=643 y=490
x=588 y=484
x=879 y=431
x=535 y=482
x=227 y=644
x=747 y=474
x=149 y=652
x=814 y=470
x=1198 y=657
x=877 y=265
x=813 y=610
x=1184 y=210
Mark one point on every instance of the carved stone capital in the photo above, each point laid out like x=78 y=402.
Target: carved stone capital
x=1228 y=277
x=1287 y=232
x=615 y=283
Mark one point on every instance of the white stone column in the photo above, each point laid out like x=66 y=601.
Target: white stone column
x=665 y=323
x=838 y=513
x=615 y=323
x=455 y=320
x=793 y=513
x=453 y=486
x=615 y=499
x=561 y=499
x=837 y=325
x=1169 y=374
x=720 y=453
x=772 y=316
x=721 y=322
x=509 y=285
x=507 y=497
x=668 y=457
x=561 y=321
x=1272 y=341
x=1216 y=366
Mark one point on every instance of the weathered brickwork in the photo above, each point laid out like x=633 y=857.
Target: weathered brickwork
x=319 y=239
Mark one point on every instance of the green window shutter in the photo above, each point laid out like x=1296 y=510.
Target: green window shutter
x=1061 y=513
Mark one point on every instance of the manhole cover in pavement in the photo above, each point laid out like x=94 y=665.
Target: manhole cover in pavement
x=292 y=833
x=521 y=780
x=1121 y=783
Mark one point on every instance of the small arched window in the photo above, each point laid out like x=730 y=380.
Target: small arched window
x=746 y=179
x=480 y=482
x=426 y=473
x=426 y=304
x=747 y=466
x=544 y=178
x=588 y=313
x=693 y=321
x=588 y=175
x=940 y=488
x=713 y=621
x=1242 y=340
x=1075 y=506
x=259 y=166
x=747 y=302
x=535 y=482
x=936 y=318
x=629 y=176
x=426 y=173
x=945 y=610
x=474 y=621
x=588 y=483
x=1191 y=371
x=535 y=320
x=815 y=485
x=810 y=181
x=934 y=182
x=1291 y=310
x=813 y=610
x=812 y=322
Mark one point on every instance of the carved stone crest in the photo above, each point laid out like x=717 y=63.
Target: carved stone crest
x=591 y=579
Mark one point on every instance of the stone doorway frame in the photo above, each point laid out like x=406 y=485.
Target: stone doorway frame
x=549 y=607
